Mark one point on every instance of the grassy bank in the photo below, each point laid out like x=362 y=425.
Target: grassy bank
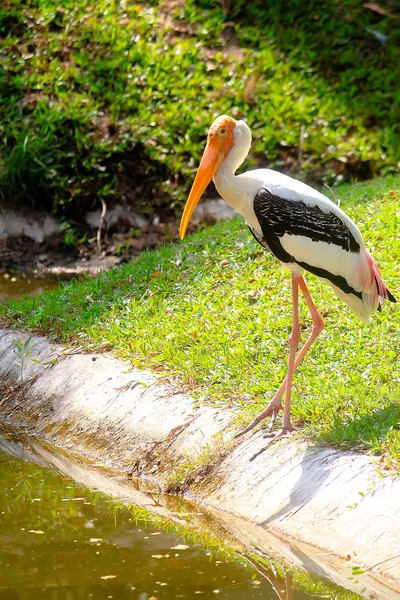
x=112 y=99
x=214 y=314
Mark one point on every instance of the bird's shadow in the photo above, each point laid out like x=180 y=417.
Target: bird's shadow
x=318 y=463
x=365 y=430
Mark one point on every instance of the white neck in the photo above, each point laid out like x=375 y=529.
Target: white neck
x=225 y=179
x=237 y=190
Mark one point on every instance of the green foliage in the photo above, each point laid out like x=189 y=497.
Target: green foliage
x=22 y=352
x=97 y=94
x=194 y=470
x=69 y=233
x=215 y=311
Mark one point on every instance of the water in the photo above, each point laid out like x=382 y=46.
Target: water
x=13 y=286
x=61 y=540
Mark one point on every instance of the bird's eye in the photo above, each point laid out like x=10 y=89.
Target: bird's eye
x=223 y=131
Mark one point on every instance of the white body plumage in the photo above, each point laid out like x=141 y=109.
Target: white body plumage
x=301 y=227
x=358 y=269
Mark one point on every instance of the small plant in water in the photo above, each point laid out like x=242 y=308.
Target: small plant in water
x=22 y=352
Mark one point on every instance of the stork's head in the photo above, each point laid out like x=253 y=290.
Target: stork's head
x=220 y=141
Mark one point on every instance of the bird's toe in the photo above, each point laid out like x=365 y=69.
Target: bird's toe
x=271 y=411
x=283 y=432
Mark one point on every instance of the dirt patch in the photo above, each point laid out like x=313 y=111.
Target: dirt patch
x=54 y=257
x=75 y=250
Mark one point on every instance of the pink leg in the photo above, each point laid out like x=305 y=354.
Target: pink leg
x=275 y=406
x=294 y=339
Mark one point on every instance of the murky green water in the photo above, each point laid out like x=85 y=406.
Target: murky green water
x=13 y=287
x=60 y=540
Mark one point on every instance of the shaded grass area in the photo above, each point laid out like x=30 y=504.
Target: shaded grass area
x=114 y=98
x=214 y=314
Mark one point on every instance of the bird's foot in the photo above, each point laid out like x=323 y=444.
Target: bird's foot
x=271 y=411
x=283 y=432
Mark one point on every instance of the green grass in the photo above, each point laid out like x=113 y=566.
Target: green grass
x=214 y=314
x=114 y=98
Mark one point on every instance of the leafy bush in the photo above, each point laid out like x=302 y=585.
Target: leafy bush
x=114 y=98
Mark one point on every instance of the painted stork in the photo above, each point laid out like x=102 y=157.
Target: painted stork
x=302 y=228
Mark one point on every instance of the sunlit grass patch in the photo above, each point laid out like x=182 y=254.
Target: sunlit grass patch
x=214 y=313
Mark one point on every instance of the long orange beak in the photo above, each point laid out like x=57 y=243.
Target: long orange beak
x=212 y=158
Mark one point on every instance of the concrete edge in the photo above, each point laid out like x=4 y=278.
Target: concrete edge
x=125 y=417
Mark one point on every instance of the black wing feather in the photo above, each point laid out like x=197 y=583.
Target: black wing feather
x=278 y=216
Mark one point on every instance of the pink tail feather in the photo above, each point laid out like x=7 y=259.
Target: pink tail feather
x=376 y=278
x=372 y=291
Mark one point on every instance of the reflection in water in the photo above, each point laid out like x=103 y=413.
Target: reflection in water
x=13 y=287
x=60 y=540
x=282 y=586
